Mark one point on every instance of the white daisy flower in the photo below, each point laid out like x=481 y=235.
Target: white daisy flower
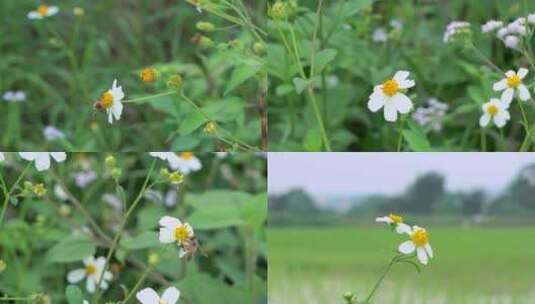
x=52 y=133
x=43 y=11
x=171 y=157
x=111 y=102
x=186 y=163
x=390 y=95
x=496 y=111
x=91 y=272
x=149 y=296
x=172 y=230
x=420 y=242
x=395 y=221
x=42 y=159
x=14 y=96
x=511 y=84
x=380 y=35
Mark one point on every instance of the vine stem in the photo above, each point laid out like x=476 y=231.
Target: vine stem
x=113 y=246
x=378 y=283
x=8 y=194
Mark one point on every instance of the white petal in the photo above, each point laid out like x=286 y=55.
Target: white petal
x=59 y=156
x=76 y=275
x=89 y=260
x=167 y=236
x=507 y=95
x=390 y=111
x=510 y=73
x=403 y=228
x=403 y=103
x=2 y=156
x=42 y=162
x=400 y=76
x=117 y=93
x=117 y=109
x=195 y=164
x=107 y=276
x=190 y=229
x=34 y=15
x=499 y=121
x=422 y=255
x=522 y=73
x=500 y=85
x=406 y=84
x=171 y=295
x=29 y=156
x=429 y=250
x=384 y=219
x=148 y=296
x=484 y=120
x=90 y=284
x=110 y=116
x=169 y=222
x=523 y=93
x=52 y=10
x=407 y=247
x=376 y=101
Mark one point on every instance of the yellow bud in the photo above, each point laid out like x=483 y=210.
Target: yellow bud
x=64 y=211
x=210 y=127
x=39 y=190
x=259 y=48
x=176 y=178
x=110 y=161
x=148 y=75
x=175 y=81
x=279 y=10
x=205 y=26
x=154 y=259
x=78 y=11
x=116 y=173
x=205 y=42
x=164 y=173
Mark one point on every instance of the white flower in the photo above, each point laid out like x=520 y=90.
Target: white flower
x=531 y=18
x=420 y=242
x=455 y=28
x=2 y=156
x=170 y=157
x=84 y=178
x=111 y=102
x=395 y=221
x=512 y=83
x=149 y=296
x=431 y=115
x=396 y=24
x=42 y=159
x=92 y=271
x=511 y=41
x=502 y=33
x=172 y=230
x=186 y=163
x=495 y=110
x=389 y=94
x=52 y=133
x=170 y=198
x=14 y=96
x=380 y=35
x=43 y=11
x=491 y=26
x=113 y=201
x=60 y=193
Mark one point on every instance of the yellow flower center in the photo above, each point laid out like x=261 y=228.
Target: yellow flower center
x=186 y=155
x=181 y=233
x=493 y=110
x=90 y=269
x=514 y=81
x=419 y=237
x=390 y=87
x=42 y=10
x=395 y=218
x=148 y=75
x=106 y=100
x=162 y=301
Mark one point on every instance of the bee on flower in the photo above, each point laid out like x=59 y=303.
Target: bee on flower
x=511 y=84
x=390 y=95
x=42 y=159
x=111 y=102
x=43 y=11
x=173 y=230
x=495 y=110
x=419 y=242
x=92 y=271
x=395 y=221
x=150 y=296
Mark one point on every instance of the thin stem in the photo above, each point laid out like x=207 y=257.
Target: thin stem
x=485 y=59
x=138 y=283
x=136 y=100
x=96 y=297
x=400 y=136
x=10 y=192
x=527 y=138
x=483 y=140
x=378 y=283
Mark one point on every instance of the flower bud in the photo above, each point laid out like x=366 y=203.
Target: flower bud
x=259 y=48
x=78 y=11
x=116 y=173
x=350 y=297
x=205 y=42
x=3 y=266
x=154 y=259
x=175 y=81
x=210 y=128
x=110 y=161
x=39 y=190
x=206 y=27
x=176 y=178
x=279 y=11
x=148 y=75
x=64 y=210
x=164 y=173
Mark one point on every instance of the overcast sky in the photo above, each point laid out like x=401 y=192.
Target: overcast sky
x=389 y=173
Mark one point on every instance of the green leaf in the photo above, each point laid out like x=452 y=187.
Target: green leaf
x=71 y=249
x=300 y=84
x=323 y=58
x=312 y=141
x=417 y=139
x=74 y=294
x=255 y=211
x=350 y=8
x=192 y=122
x=240 y=75
x=147 y=239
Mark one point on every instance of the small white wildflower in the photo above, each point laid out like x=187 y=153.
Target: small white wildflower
x=511 y=41
x=42 y=159
x=455 y=28
x=396 y=24
x=111 y=102
x=149 y=296
x=420 y=242
x=380 y=35
x=53 y=133
x=14 y=96
x=491 y=26
x=495 y=110
x=390 y=96
x=92 y=271
x=43 y=11
x=60 y=193
x=395 y=221
x=172 y=230
x=187 y=162
x=513 y=84
x=84 y=178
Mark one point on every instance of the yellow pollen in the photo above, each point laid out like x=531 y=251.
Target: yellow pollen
x=390 y=87
x=395 y=218
x=90 y=269
x=106 y=100
x=514 y=81
x=419 y=237
x=148 y=75
x=182 y=233
x=42 y=10
x=186 y=155
x=493 y=110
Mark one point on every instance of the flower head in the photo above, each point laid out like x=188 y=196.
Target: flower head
x=457 y=30
x=42 y=159
x=390 y=96
x=496 y=111
x=43 y=11
x=2 y=157
x=172 y=230
x=419 y=241
x=394 y=221
x=53 y=133
x=149 y=296
x=512 y=84
x=148 y=75
x=14 y=96
x=92 y=271
x=187 y=162
x=111 y=102
x=491 y=26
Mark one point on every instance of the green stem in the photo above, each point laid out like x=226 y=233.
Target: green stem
x=483 y=140
x=115 y=241
x=378 y=283
x=10 y=192
x=527 y=139
x=138 y=283
x=136 y=100
x=400 y=137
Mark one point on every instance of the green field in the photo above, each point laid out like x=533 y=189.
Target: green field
x=476 y=265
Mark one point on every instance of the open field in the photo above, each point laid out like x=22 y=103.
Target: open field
x=479 y=265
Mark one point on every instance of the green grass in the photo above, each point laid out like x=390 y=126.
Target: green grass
x=309 y=265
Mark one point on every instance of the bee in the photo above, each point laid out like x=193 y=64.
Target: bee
x=98 y=105
x=190 y=248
